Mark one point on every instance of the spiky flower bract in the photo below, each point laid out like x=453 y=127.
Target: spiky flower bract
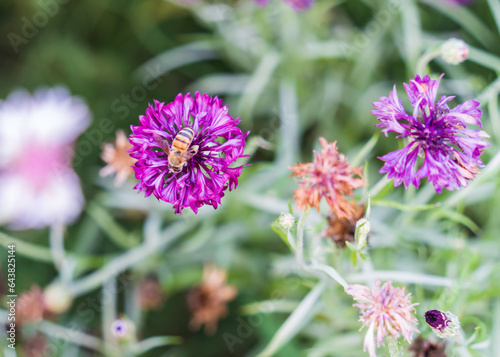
x=207 y=174
x=329 y=176
x=386 y=311
x=437 y=133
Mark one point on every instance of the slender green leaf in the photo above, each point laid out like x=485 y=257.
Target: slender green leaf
x=404 y=207
x=465 y=18
x=295 y=322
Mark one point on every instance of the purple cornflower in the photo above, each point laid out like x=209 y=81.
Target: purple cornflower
x=216 y=143
x=436 y=133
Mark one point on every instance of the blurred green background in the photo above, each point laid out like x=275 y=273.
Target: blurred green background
x=291 y=77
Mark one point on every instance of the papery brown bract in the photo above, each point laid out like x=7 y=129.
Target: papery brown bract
x=342 y=230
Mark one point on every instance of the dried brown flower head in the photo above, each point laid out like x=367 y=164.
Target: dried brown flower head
x=329 y=176
x=208 y=301
x=342 y=230
x=118 y=159
x=150 y=294
x=30 y=306
x=36 y=346
x=423 y=348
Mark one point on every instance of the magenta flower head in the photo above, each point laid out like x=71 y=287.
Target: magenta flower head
x=184 y=151
x=434 y=132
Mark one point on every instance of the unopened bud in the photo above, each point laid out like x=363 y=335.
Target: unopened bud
x=362 y=230
x=454 y=51
x=57 y=298
x=286 y=220
x=444 y=324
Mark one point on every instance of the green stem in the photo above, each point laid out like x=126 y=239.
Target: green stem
x=289 y=122
x=394 y=350
x=57 y=245
x=316 y=266
x=154 y=342
x=299 y=252
x=109 y=307
x=126 y=260
x=113 y=230
x=29 y=250
x=425 y=59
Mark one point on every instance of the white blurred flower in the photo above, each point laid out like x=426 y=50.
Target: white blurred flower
x=38 y=187
x=286 y=220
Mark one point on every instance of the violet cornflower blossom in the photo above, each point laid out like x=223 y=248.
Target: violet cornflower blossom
x=38 y=187
x=297 y=5
x=385 y=310
x=436 y=133
x=207 y=174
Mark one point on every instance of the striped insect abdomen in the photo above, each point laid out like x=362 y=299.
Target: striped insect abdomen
x=183 y=139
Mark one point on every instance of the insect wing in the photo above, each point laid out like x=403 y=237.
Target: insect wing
x=162 y=142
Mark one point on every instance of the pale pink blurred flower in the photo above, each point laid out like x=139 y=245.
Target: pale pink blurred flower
x=38 y=187
x=385 y=310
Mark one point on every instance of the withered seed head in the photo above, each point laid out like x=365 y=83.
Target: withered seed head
x=208 y=301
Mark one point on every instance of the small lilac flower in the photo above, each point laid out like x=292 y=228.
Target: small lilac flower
x=207 y=174
x=38 y=187
x=444 y=324
x=123 y=329
x=436 y=133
